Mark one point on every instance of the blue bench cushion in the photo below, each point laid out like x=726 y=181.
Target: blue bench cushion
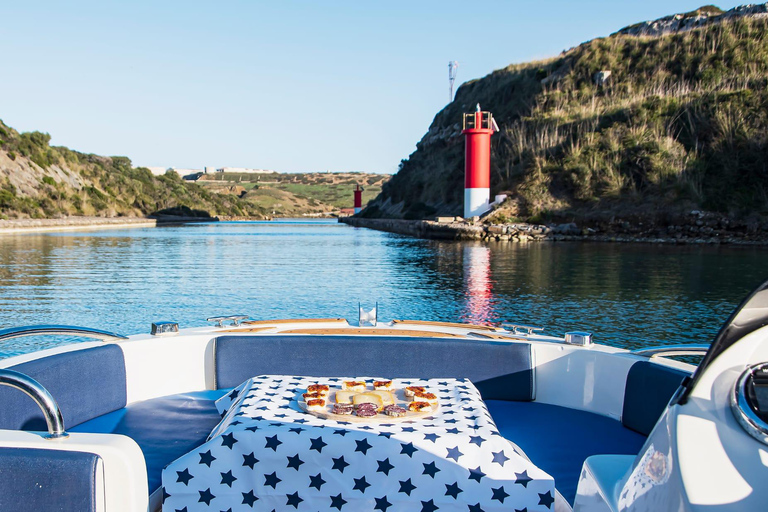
x=649 y=388
x=34 y=479
x=501 y=371
x=164 y=428
x=85 y=383
x=559 y=439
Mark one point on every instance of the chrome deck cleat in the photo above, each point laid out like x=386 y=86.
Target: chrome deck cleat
x=235 y=319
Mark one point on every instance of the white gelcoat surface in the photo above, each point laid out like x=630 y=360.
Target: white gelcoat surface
x=124 y=470
x=710 y=474
x=588 y=379
x=162 y=366
x=476 y=201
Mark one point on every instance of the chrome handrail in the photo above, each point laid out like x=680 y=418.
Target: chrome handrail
x=67 y=330
x=42 y=398
x=672 y=350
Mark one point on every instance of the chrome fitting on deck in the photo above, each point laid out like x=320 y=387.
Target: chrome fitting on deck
x=164 y=328
x=235 y=319
x=582 y=339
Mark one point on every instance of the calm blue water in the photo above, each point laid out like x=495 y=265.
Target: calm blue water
x=122 y=280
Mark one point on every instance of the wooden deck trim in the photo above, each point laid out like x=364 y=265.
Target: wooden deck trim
x=297 y=321
x=251 y=329
x=497 y=336
x=447 y=324
x=374 y=332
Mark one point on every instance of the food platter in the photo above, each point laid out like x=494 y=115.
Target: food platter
x=399 y=399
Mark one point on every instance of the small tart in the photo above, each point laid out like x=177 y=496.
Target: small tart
x=419 y=406
x=412 y=390
x=382 y=385
x=425 y=397
x=316 y=404
x=319 y=388
x=312 y=394
x=371 y=398
x=353 y=385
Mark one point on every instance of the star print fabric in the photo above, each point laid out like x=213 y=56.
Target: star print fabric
x=267 y=454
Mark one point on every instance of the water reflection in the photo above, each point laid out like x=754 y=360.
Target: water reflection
x=121 y=280
x=478 y=286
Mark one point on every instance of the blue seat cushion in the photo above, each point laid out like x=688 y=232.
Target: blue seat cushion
x=85 y=383
x=34 y=479
x=164 y=428
x=559 y=439
x=649 y=388
x=500 y=370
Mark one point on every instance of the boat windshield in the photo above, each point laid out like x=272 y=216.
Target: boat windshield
x=752 y=314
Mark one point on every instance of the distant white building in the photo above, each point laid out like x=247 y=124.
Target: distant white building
x=158 y=171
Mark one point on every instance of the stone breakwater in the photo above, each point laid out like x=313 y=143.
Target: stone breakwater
x=698 y=229
x=88 y=223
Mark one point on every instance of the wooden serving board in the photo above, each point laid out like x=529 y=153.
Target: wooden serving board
x=400 y=399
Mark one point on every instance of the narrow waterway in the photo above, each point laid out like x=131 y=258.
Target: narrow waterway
x=122 y=280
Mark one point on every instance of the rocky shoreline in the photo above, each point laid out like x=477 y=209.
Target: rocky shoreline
x=697 y=228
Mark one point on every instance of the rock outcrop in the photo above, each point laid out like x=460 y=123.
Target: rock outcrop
x=695 y=19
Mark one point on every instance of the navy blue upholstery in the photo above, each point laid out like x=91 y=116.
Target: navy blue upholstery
x=649 y=388
x=558 y=439
x=85 y=383
x=501 y=371
x=164 y=428
x=33 y=479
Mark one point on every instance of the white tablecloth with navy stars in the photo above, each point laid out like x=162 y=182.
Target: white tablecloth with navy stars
x=266 y=454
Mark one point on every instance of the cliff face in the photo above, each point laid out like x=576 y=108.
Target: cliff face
x=681 y=123
x=42 y=181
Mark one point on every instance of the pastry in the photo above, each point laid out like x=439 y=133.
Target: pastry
x=425 y=397
x=411 y=390
x=353 y=385
x=382 y=385
x=316 y=404
x=344 y=397
x=318 y=388
x=371 y=398
x=395 y=411
x=343 y=409
x=311 y=395
x=419 y=406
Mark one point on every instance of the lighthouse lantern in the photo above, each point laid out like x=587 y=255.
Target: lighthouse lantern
x=478 y=128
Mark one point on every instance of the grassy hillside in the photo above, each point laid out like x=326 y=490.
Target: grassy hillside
x=42 y=181
x=681 y=124
x=299 y=194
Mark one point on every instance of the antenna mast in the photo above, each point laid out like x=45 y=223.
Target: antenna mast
x=452 y=67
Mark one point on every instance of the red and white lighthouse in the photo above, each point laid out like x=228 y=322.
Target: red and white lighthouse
x=478 y=128
x=358 y=199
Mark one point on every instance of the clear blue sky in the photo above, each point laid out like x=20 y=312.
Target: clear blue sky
x=286 y=85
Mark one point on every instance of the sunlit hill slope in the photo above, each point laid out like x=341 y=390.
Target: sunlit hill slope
x=680 y=124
